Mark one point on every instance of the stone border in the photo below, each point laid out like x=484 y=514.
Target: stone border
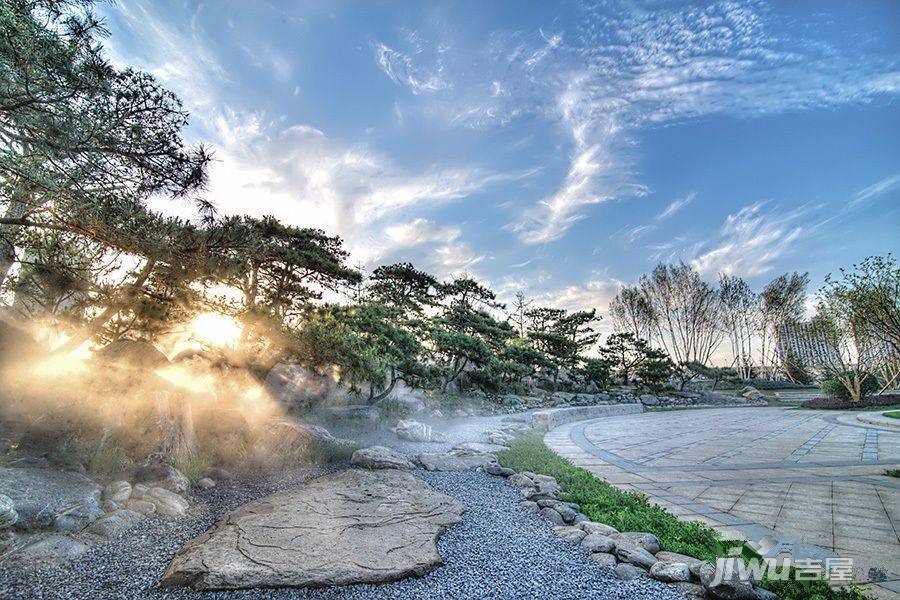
x=545 y=420
x=876 y=418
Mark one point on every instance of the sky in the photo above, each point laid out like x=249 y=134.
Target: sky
x=560 y=149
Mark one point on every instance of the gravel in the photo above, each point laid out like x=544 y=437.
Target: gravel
x=498 y=551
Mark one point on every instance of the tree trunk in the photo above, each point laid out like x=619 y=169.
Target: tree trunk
x=16 y=210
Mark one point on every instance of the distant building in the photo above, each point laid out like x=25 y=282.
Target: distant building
x=803 y=342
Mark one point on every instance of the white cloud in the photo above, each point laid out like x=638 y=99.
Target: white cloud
x=403 y=71
x=875 y=190
x=675 y=206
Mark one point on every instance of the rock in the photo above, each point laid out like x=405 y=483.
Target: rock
x=117 y=491
x=498 y=471
x=46 y=498
x=548 y=503
x=511 y=400
x=49 y=550
x=521 y=480
x=570 y=534
x=218 y=474
x=751 y=393
x=379 y=457
x=8 y=514
x=353 y=412
x=544 y=490
x=691 y=591
x=634 y=554
x=733 y=589
x=581 y=518
x=597 y=542
x=626 y=572
x=167 y=502
x=144 y=507
x=414 y=431
x=670 y=572
x=135 y=354
x=110 y=506
x=408 y=400
x=296 y=386
x=649 y=400
x=647 y=541
x=367 y=527
x=567 y=514
x=552 y=516
x=448 y=462
x=115 y=523
x=476 y=448
x=206 y=483
x=600 y=528
x=530 y=506
x=674 y=557
x=138 y=490
x=161 y=475
x=604 y=558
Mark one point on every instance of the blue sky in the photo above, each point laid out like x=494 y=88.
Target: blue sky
x=561 y=149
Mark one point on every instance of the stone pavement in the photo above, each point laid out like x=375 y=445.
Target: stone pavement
x=802 y=476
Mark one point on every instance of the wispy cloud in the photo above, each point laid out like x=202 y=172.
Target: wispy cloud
x=875 y=190
x=675 y=206
x=403 y=71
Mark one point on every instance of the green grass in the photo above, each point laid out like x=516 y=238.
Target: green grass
x=892 y=472
x=893 y=414
x=631 y=511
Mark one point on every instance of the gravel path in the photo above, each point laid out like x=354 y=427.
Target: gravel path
x=498 y=551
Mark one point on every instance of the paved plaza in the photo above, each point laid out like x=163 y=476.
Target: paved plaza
x=814 y=478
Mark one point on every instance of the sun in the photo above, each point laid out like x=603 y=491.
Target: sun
x=214 y=329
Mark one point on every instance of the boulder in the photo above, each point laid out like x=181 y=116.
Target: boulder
x=167 y=502
x=627 y=572
x=570 y=534
x=206 y=483
x=441 y=461
x=366 y=527
x=379 y=457
x=634 y=554
x=600 y=528
x=476 y=448
x=144 y=507
x=117 y=491
x=670 y=572
x=46 y=498
x=497 y=470
x=751 y=393
x=353 y=412
x=691 y=591
x=414 y=431
x=521 y=480
x=552 y=516
x=604 y=558
x=674 y=557
x=647 y=541
x=165 y=476
x=8 y=514
x=133 y=354
x=733 y=589
x=597 y=542
x=115 y=523
x=568 y=514
x=408 y=400
x=49 y=550
x=649 y=400
x=530 y=506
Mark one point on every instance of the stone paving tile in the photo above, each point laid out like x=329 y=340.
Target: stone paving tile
x=802 y=473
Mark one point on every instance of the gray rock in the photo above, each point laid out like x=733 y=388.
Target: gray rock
x=647 y=541
x=117 y=491
x=8 y=514
x=141 y=506
x=548 y=503
x=368 y=527
x=49 y=550
x=206 y=483
x=733 y=589
x=601 y=528
x=115 y=523
x=581 y=518
x=552 y=516
x=167 y=503
x=604 y=558
x=670 y=572
x=476 y=448
x=634 y=554
x=46 y=498
x=570 y=534
x=379 y=457
x=138 y=490
x=498 y=471
x=414 y=431
x=521 y=480
x=627 y=572
x=448 y=462
x=530 y=506
x=597 y=542
x=674 y=557
x=691 y=591
x=161 y=475
x=218 y=474
x=649 y=400
x=567 y=513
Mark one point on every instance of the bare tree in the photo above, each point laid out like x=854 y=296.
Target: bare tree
x=686 y=310
x=517 y=318
x=740 y=321
x=631 y=313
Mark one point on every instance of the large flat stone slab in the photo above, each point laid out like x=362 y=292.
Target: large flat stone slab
x=442 y=461
x=353 y=526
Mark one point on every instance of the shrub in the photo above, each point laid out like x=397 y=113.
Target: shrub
x=834 y=388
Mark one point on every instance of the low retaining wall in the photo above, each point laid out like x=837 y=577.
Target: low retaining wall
x=548 y=419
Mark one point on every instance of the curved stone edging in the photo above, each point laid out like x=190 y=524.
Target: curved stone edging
x=548 y=419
